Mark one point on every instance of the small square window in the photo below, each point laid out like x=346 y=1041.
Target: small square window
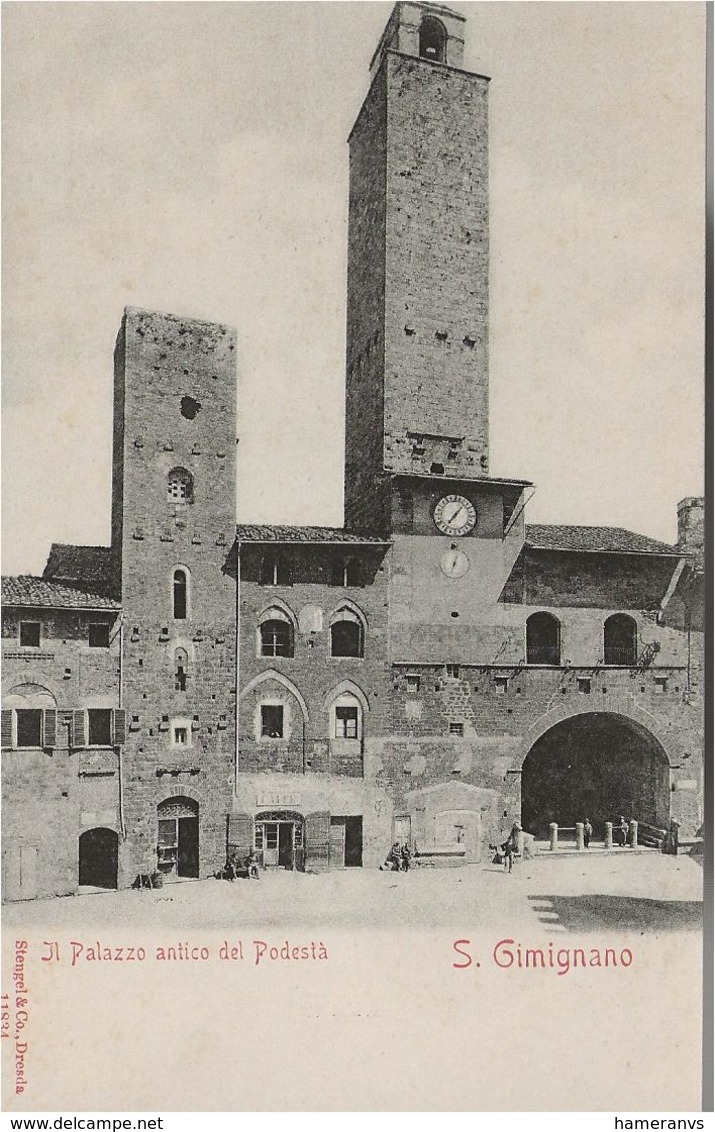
x=99 y=722
x=99 y=635
x=30 y=634
x=661 y=684
x=453 y=671
x=272 y=721
x=501 y=683
x=584 y=686
x=29 y=727
x=181 y=736
x=456 y=729
x=413 y=683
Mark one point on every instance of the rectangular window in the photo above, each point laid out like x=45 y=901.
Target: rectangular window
x=30 y=634
x=99 y=635
x=413 y=683
x=456 y=729
x=272 y=721
x=584 y=686
x=501 y=683
x=29 y=727
x=99 y=721
x=453 y=671
x=346 y=723
x=181 y=736
x=661 y=684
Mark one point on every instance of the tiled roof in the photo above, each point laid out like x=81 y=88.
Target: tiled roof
x=88 y=565
x=251 y=532
x=613 y=540
x=29 y=591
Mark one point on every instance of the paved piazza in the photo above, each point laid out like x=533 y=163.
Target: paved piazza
x=549 y=895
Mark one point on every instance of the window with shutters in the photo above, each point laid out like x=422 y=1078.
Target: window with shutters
x=99 y=635
x=99 y=727
x=28 y=724
x=30 y=634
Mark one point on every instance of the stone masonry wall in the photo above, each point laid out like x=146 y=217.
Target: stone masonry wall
x=51 y=795
x=166 y=365
x=436 y=291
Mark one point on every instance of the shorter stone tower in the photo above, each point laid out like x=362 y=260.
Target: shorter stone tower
x=173 y=523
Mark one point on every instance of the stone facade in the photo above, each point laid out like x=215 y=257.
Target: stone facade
x=430 y=673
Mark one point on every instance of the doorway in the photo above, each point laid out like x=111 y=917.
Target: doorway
x=98 y=858
x=279 y=838
x=178 y=841
x=346 y=842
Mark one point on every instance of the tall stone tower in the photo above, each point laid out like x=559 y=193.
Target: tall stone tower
x=418 y=244
x=173 y=523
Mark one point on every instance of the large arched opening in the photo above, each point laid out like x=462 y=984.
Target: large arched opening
x=594 y=765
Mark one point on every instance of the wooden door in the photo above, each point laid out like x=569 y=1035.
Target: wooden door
x=317 y=841
x=337 y=843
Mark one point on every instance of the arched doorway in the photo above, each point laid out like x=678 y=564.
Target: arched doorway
x=178 y=837
x=279 y=837
x=597 y=765
x=98 y=858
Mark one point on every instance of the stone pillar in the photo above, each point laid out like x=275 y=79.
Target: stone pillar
x=579 y=835
x=608 y=838
x=633 y=834
x=520 y=842
x=553 y=836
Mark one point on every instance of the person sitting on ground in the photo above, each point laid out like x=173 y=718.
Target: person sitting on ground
x=252 y=863
x=393 y=861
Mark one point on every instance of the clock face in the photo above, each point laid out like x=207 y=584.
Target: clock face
x=454 y=563
x=455 y=515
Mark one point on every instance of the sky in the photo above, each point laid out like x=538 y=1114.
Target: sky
x=192 y=158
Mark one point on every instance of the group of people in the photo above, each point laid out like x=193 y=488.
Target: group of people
x=398 y=859
x=247 y=865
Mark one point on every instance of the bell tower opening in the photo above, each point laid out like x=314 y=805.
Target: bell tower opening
x=433 y=40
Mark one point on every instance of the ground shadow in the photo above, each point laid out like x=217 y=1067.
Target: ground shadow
x=618 y=913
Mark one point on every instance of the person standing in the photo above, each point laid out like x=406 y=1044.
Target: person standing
x=587 y=833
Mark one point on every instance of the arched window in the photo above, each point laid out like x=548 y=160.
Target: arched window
x=543 y=639
x=346 y=717
x=346 y=634
x=180 y=486
x=620 y=640
x=345 y=572
x=275 y=571
x=433 y=40
x=181 y=669
x=275 y=634
x=180 y=594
